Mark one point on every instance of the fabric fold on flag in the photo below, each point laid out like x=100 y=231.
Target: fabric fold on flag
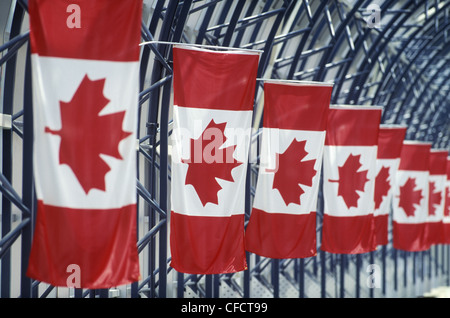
x=282 y=223
x=436 y=195
x=212 y=115
x=446 y=214
x=349 y=168
x=390 y=141
x=85 y=79
x=410 y=201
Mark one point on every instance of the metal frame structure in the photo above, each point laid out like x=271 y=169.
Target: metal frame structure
x=402 y=64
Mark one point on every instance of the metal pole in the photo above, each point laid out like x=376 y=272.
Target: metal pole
x=7 y=161
x=422 y=274
x=342 y=276
x=358 y=266
x=405 y=269
x=164 y=134
x=322 y=275
x=247 y=278
x=208 y=286
x=27 y=178
x=372 y=261
x=276 y=278
x=301 y=278
x=180 y=285
x=395 y=269
x=383 y=273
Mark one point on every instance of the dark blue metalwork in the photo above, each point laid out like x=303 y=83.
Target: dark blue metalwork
x=403 y=66
x=7 y=155
x=28 y=197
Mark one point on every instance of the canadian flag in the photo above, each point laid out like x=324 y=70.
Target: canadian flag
x=85 y=72
x=390 y=141
x=410 y=201
x=349 y=179
x=283 y=219
x=212 y=115
x=446 y=216
x=436 y=195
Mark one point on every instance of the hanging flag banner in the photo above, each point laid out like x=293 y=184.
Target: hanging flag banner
x=436 y=195
x=390 y=141
x=283 y=219
x=446 y=216
x=410 y=200
x=85 y=75
x=349 y=164
x=212 y=115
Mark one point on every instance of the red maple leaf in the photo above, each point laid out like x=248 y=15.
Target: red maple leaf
x=351 y=180
x=447 y=202
x=382 y=186
x=85 y=134
x=409 y=197
x=434 y=199
x=209 y=161
x=292 y=171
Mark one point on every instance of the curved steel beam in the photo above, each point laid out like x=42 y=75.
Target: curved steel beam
x=305 y=37
x=7 y=150
x=394 y=88
x=410 y=90
x=330 y=52
x=375 y=50
x=359 y=47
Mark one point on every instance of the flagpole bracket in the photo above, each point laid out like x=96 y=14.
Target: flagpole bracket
x=5 y=121
x=152 y=128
